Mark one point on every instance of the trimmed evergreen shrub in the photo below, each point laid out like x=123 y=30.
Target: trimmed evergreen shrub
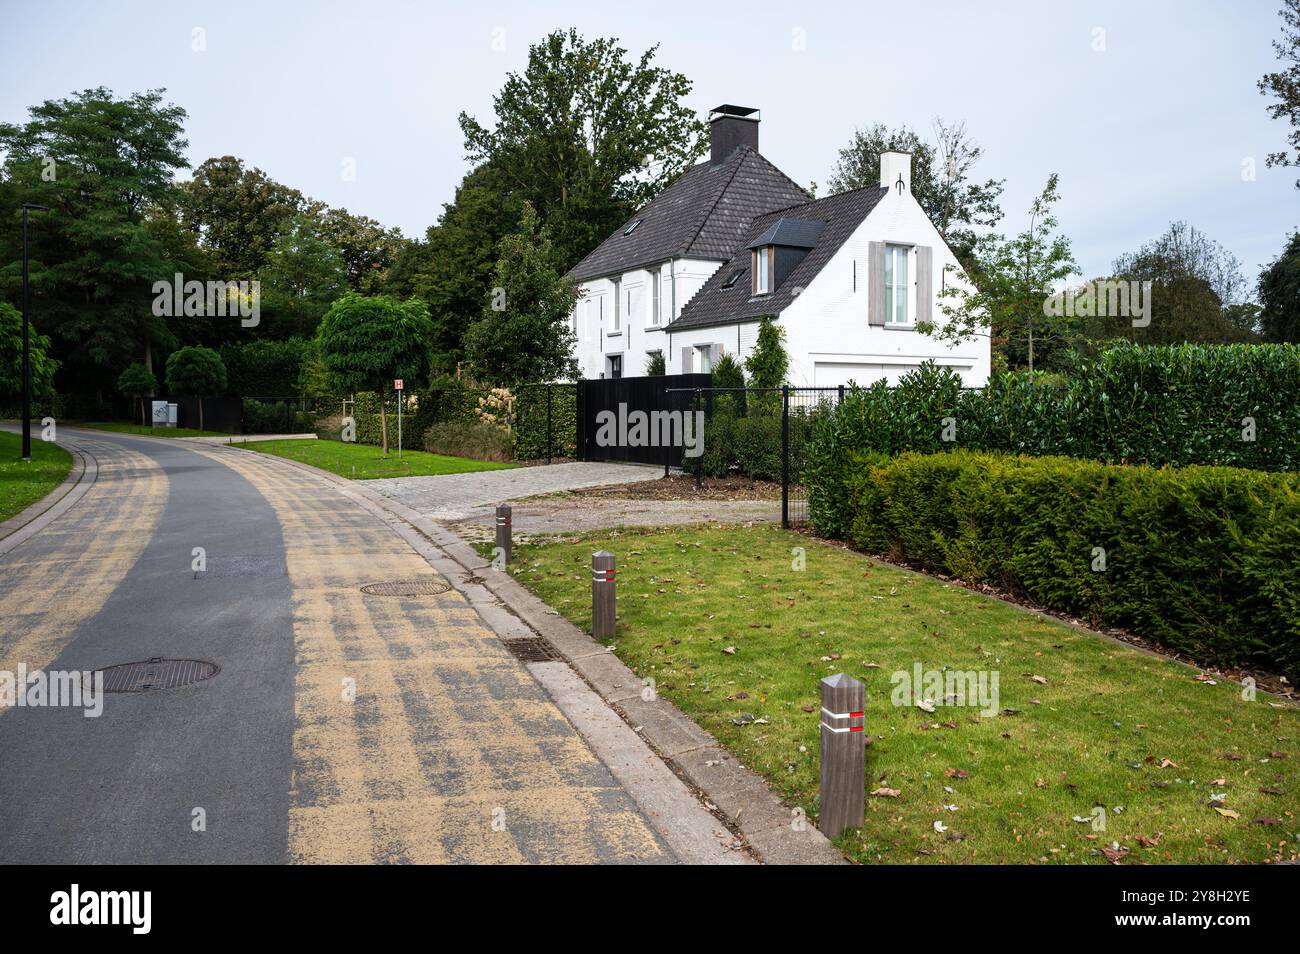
x=1205 y=560
x=530 y=421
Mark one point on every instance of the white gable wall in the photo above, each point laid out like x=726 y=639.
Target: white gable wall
x=827 y=334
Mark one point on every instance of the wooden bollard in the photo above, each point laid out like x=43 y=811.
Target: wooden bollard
x=504 y=545
x=602 y=594
x=843 y=754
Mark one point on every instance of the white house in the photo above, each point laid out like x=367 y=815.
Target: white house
x=848 y=277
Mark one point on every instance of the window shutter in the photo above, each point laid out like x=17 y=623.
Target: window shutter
x=688 y=365
x=715 y=354
x=876 y=284
x=924 y=283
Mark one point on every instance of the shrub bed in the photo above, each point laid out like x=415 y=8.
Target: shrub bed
x=530 y=421
x=1205 y=560
x=477 y=440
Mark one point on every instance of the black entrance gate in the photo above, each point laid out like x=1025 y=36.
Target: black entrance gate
x=623 y=396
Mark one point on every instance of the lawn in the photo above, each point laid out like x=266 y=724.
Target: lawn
x=119 y=427
x=1183 y=770
x=364 y=462
x=24 y=483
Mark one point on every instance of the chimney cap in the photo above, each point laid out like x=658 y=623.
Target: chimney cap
x=726 y=110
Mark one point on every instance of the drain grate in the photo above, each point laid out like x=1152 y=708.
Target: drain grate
x=421 y=586
x=157 y=673
x=532 y=649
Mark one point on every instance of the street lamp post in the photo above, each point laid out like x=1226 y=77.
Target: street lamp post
x=27 y=348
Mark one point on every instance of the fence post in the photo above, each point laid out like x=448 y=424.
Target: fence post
x=843 y=754
x=699 y=461
x=505 y=535
x=603 y=606
x=785 y=456
x=548 y=423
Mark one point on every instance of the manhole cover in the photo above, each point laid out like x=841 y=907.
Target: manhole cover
x=532 y=649
x=157 y=673
x=424 y=586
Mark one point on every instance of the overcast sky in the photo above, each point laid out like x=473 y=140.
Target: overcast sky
x=1146 y=109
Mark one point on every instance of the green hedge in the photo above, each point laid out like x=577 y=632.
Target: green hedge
x=265 y=368
x=530 y=421
x=1203 y=559
x=1181 y=405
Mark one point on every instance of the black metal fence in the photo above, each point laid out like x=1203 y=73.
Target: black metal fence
x=792 y=411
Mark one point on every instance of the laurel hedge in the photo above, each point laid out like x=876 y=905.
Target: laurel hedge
x=1205 y=560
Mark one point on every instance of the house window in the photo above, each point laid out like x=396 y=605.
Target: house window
x=617 y=323
x=614 y=364
x=705 y=359
x=656 y=280
x=896 y=289
x=762 y=270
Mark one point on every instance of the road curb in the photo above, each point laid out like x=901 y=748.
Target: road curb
x=25 y=524
x=771 y=829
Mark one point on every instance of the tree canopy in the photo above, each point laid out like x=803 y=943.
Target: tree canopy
x=524 y=333
x=587 y=134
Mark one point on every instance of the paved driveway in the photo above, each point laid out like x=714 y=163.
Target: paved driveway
x=461 y=496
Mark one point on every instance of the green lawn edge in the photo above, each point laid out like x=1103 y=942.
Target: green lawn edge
x=364 y=462
x=23 y=483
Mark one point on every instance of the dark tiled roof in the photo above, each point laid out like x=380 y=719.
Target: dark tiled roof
x=792 y=233
x=701 y=215
x=715 y=305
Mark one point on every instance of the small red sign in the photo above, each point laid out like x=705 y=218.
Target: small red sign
x=397 y=384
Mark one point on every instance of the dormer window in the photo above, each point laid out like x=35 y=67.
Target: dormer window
x=763 y=270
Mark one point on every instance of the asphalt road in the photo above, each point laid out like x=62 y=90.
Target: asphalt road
x=446 y=751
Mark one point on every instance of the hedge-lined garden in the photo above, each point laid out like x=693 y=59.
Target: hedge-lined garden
x=1203 y=559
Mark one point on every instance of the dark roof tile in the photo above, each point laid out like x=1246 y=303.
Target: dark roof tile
x=715 y=304
x=701 y=215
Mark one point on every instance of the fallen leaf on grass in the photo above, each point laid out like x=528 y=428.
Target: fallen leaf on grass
x=1149 y=841
x=925 y=705
x=1167 y=763
x=1114 y=854
x=884 y=792
x=956 y=773
x=1232 y=756
x=730 y=650
x=1265 y=820
x=940 y=827
x=1039 y=679
x=1227 y=813
x=1219 y=781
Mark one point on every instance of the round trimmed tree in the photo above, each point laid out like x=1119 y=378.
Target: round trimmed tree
x=196 y=372
x=137 y=382
x=365 y=342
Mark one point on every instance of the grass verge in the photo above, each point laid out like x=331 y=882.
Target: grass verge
x=364 y=462
x=22 y=483
x=1181 y=770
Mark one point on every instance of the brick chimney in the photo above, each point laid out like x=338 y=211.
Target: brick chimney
x=731 y=127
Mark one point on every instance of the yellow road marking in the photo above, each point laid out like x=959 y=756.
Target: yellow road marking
x=450 y=751
x=62 y=576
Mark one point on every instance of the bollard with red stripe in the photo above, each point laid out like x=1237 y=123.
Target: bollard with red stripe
x=504 y=542
x=602 y=594
x=843 y=754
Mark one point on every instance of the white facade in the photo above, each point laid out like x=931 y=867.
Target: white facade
x=826 y=327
